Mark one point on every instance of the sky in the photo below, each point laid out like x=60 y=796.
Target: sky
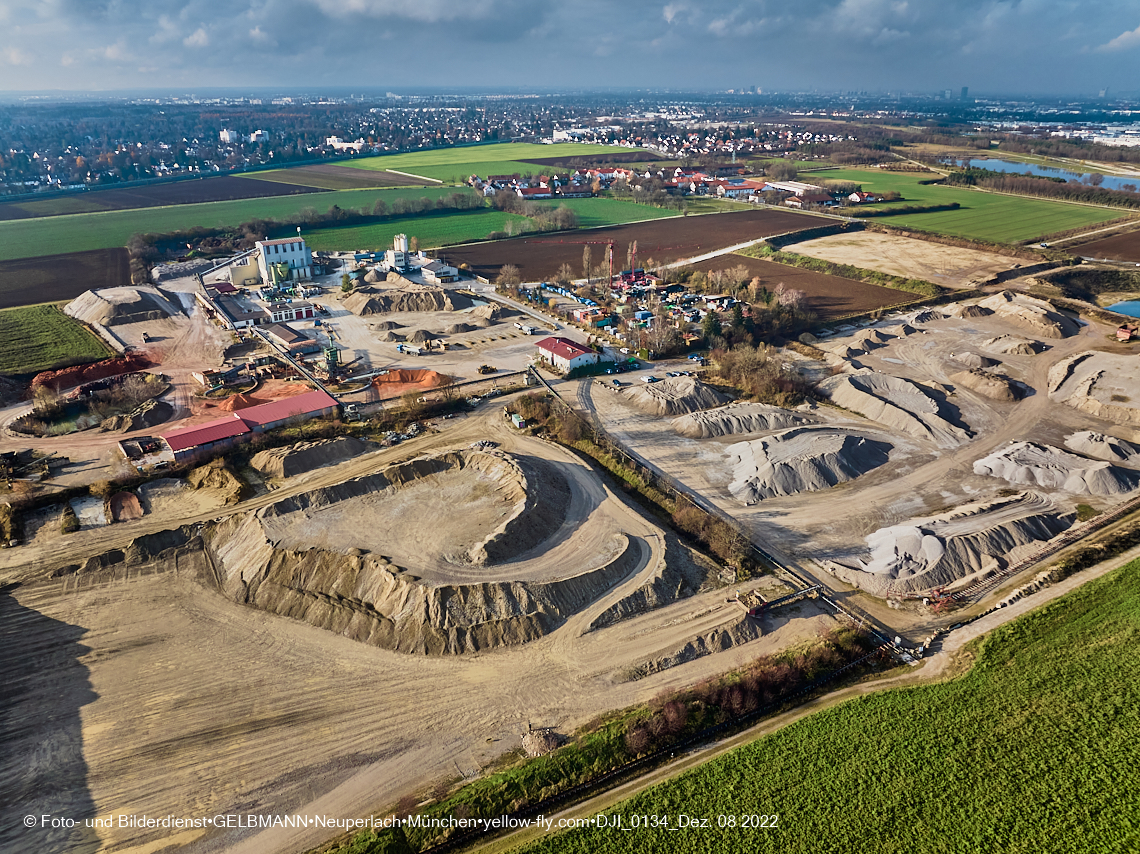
x=993 y=46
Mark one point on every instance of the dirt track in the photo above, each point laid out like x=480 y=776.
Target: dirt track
x=255 y=713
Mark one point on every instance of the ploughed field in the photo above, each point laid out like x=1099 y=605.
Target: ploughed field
x=221 y=189
x=54 y=278
x=663 y=240
x=330 y=176
x=829 y=296
x=1119 y=247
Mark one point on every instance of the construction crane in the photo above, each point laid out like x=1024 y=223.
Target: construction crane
x=609 y=252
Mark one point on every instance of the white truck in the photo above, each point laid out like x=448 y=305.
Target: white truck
x=526 y=330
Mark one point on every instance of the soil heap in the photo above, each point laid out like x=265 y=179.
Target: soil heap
x=411 y=297
x=1101 y=384
x=1012 y=345
x=974 y=360
x=125 y=507
x=305 y=456
x=803 y=459
x=674 y=396
x=394 y=383
x=736 y=418
x=895 y=403
x=956 y=547
x=1107 y=448
x=116 y=306
x=993 y=386
x=1037 y=315
x=967 y=310
x=1034 y=464
x=218 y=475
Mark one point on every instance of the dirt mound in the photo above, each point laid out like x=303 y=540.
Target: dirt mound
x=394 y=383
x=926 y=315
x=306 y=456
x=422 y=335
x=373 y=276
x=803 y=459
x=900 y=330
x=67 y=377
x=539 y=742
x=125 y=507
x=491 y=312
x=1033 y=464
x=974 y=360
x=968 y=310
x=151 y=414
x=1107 y=448
x=895 y=403
x=274 y=558
x=218 y=475
x=460 y=328
x=1012 y=345
x=1101 y=384
x=393 y=337
x=1038 y=315
x=968 y=542
x=674 y=396
x=736 y=418
x=410 y=297
x=386 y=324
x=115 y=306
x=990 y=385
x=11 y=391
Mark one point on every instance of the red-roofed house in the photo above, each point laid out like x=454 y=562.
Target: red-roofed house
x=535 y=193
x=565 y=354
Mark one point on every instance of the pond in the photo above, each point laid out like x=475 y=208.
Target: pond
x=995 y=165
x=1128 y=307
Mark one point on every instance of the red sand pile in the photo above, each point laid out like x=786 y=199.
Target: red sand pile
x=67 y=377
x=396 y=383
x=125 y=507
x=239 y=401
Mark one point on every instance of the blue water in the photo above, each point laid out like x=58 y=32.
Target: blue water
x=1130 y=307
x=994 y=165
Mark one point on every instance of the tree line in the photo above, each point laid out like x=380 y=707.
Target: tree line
x=1046 y=187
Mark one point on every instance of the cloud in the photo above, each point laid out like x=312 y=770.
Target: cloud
x=1124 y=41
x=671 y=10
x=15 y=56
x=198 y=38
x=261 y=37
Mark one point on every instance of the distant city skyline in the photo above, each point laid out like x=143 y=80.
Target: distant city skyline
x=1033 y=47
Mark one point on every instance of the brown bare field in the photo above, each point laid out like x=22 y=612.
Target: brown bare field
x=220 y=189
x=329 y=176
x=949 y=266
x=829 y=296
x=1119 y=247
x=54 y=278
x=663 y=240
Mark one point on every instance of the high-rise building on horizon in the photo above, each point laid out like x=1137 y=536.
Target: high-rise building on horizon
x=965 y=92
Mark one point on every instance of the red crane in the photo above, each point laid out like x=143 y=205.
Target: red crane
x=609 y=253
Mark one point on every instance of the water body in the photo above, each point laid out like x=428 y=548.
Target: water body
x=1110 y=182
x=1128 y=307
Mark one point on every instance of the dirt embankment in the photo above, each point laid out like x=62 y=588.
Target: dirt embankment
x=897 y=404
x=306 y=456
x=988 y=384
x=1101 y=384
x=737 y=418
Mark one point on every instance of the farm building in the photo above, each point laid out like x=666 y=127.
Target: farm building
x=287 y=259
x=566 y=354
x=188 y=443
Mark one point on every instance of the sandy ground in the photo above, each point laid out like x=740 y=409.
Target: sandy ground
x=186 y=703
x=949 y=266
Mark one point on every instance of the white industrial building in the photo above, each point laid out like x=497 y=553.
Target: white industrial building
x=398 y=257
x=284 y=260
x=565 y=354
x=439 y=273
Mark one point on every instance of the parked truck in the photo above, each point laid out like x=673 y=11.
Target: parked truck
x=526 y=330
x=409 y=350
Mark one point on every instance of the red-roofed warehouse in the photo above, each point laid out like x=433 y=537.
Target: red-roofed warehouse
x=565 y=354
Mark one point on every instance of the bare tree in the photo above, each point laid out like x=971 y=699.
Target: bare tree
x=586 y=266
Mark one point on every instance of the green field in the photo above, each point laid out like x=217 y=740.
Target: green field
x=30 y=238
x=1035 y=749
x=39 y=337
x=467 y=226
x=985 y=216
x=502 y=158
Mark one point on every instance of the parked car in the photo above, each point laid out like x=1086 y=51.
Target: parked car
x=649 y=379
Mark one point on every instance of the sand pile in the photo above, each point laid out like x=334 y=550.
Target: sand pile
x=974 y=360
x=736 y=418
x=674 y=396
x=993 y=386
x=489 y=312
x=373 y=276
x=150 y=414
x=395 y=383
x=926 y=315
x=410 y=297
x=309 y=557
x=1106 y=385
x=970 y=541
x=235 y=402
x=78 y=374
x=219 y=476
x=422 y=335
x=967 y=310
x=862 y=342
x=116 y=306
x=1012 y=345
x=900 y=330
x=1107 y=448
x=895 y=403
x=393 y=337
x=1039 y=316
x=306 y=456
x=1034 y=464
x=385 y=325
x=803 y=459
x=125 y=507
x=460 y=328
